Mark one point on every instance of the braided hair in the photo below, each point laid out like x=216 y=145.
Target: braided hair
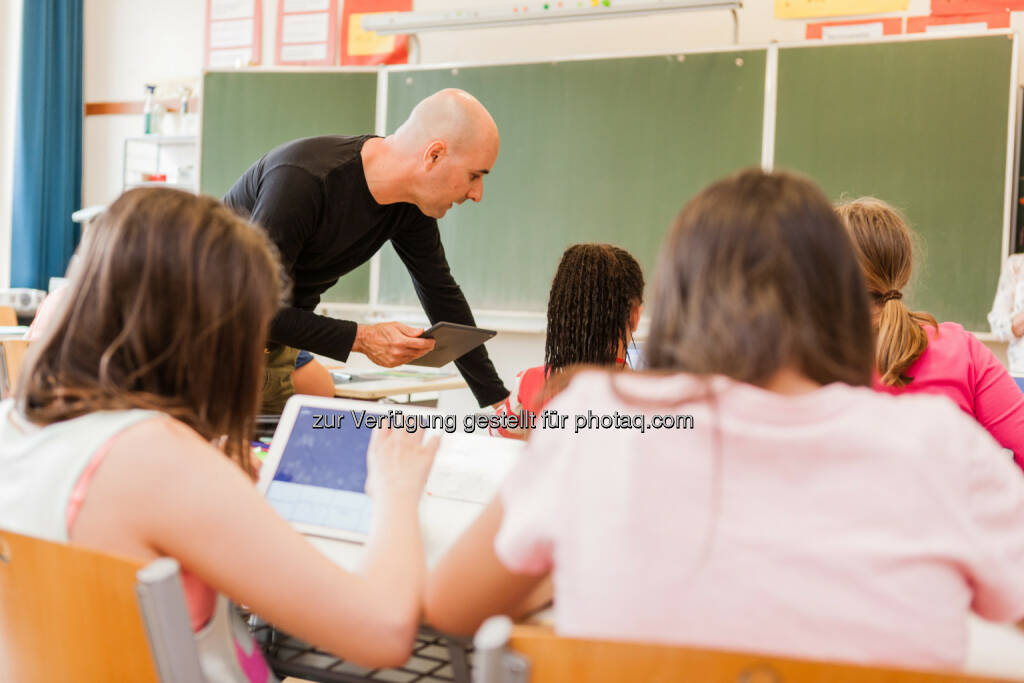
x=593 y=294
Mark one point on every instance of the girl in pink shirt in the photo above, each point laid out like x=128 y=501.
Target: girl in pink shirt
x=750 y=491
x=913 y=353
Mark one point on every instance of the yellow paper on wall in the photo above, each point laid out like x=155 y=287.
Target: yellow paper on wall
x=362 y=42
x=804 y=9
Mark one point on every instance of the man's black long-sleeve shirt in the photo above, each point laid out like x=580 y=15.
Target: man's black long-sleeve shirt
x=311 y=197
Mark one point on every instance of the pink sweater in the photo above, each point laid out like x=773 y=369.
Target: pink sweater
x=842 y=524
x=960 y=367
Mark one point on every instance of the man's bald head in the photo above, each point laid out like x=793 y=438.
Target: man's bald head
x=452 y=116
x=447 y=145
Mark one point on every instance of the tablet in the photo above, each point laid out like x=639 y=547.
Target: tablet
x=452 y=341
x=314 y=474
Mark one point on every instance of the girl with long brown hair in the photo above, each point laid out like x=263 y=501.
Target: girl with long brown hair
x=751 y=491
x=914 y=354
x=148 y=377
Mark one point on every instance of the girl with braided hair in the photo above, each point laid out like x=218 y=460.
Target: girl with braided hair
x=593 y=310
x=914 y=353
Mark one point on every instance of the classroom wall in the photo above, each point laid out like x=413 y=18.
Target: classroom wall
x=131 y=42
x=10 y=48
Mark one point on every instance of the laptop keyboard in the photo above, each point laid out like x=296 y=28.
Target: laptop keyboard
x=436 y=658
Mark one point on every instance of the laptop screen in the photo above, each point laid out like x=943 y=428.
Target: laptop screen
x=321 y=477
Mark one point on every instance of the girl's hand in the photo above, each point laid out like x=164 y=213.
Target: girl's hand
x=398 y=463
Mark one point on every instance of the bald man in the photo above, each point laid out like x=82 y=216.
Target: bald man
x=329 y=203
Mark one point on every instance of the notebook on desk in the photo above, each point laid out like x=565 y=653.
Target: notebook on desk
x=315 y=471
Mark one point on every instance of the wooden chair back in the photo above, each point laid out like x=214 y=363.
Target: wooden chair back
x=534 y=654
x=69 y=614
x=12 y=358
x=8 y=318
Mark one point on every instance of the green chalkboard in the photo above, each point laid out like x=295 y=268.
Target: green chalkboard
x=924 y=126
x=591 y=151
x=248 y=113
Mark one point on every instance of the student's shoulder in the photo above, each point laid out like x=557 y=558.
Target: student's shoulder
x=932 y=427
x=592 y=385
x=161 y=447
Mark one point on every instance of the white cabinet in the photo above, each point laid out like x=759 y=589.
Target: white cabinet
x=164 y=160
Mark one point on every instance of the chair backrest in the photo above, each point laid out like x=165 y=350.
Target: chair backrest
x=12 y=357
x=71 y=614
x=8 y=318
x=534 y=654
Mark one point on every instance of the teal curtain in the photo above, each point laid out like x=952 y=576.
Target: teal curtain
x=47 y=142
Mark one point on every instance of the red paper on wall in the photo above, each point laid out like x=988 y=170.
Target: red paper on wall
x=991 y=20
x=366 y=47
x=888 y=26
x=947 y=7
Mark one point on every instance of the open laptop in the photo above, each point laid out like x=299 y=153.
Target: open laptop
x=315 y=471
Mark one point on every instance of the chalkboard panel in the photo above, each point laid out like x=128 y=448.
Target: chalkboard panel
x=248 y=113
x=591 y=151
x=610 y=149
x=924 y=126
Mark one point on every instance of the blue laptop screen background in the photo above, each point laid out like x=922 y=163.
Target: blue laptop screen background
x=321 y=477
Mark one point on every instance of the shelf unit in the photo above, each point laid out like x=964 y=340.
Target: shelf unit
x=174 y=156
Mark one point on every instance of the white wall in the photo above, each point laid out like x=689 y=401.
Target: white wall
x=129 y=43
x=10 y=58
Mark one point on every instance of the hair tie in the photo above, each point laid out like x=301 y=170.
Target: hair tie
x=892 y=294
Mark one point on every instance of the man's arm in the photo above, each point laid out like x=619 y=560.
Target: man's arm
x=316 y=333
x=418 y=244
x=288 y=206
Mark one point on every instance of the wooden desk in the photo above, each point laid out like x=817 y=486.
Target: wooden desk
x=374 y=388
x=382 y=388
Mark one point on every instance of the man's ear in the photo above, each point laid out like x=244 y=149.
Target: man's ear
x=434 y=152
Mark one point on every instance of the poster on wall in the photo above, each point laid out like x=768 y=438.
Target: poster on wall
x=806 y=9
x=946 y=7
x=307 y=32
x=858 y=29
x=233 y=33
x=359 y=46
x=968 y=23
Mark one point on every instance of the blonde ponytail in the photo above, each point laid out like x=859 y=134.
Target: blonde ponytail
x=884 y=248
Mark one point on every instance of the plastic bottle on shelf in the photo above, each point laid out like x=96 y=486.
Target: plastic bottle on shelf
x=184 y=116
x=149 y=111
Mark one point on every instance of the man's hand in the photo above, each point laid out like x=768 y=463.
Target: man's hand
x=391 y=344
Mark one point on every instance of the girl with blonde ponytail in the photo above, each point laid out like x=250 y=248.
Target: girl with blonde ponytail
x=914 y=353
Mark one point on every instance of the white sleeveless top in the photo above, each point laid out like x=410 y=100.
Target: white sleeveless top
x=39 y=467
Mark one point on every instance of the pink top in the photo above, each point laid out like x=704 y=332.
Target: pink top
x=201 y=599
x=840 y=524
x=958 y=366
